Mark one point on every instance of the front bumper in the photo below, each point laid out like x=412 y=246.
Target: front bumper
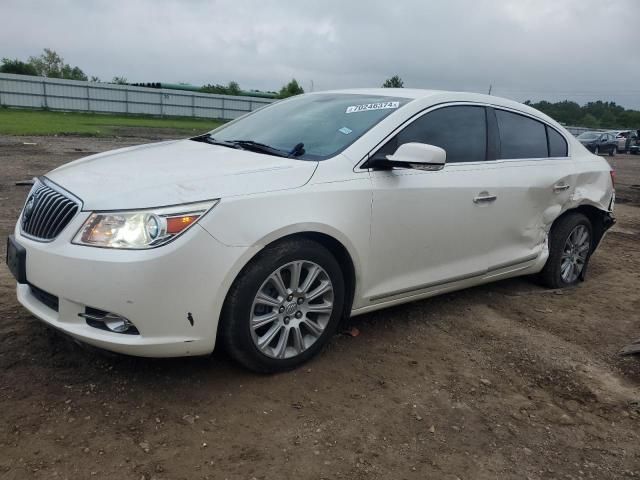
x=173 y=294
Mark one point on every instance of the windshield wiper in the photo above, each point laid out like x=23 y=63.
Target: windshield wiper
x=297 y=150
x=252 y=146
x=207 y=138
x=260 y=147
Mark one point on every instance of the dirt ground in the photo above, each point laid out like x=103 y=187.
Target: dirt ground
x=507 y=380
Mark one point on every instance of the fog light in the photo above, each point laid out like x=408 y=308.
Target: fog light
x=108 y=321
x=116 y=323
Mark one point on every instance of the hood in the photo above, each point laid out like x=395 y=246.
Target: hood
x=175 y=172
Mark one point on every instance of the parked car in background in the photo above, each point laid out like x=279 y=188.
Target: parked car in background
x=599 y=143
x=634 y=147
x=264 y=233
x=625 y=139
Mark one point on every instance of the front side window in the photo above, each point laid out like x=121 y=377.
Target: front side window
x=325 y=124
x=460 y=130
x=520 y=136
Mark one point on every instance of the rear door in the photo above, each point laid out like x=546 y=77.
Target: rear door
x=533 y=178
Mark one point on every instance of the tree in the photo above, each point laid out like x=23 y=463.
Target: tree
x=589 y=121
x=17 y=67
x=49 y=64
x=393 y=82
x=290 y=89
x=119 y=81
x=94 y=79
x=52 y=65
x=231 y=89
x=597 y=114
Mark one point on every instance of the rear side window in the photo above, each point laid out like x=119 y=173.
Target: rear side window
x=520 y=136
x=460 y=131
x=557 y=143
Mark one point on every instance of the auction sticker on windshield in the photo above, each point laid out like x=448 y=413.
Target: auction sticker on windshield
x=372 y=106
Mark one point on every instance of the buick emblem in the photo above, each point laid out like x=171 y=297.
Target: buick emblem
x=291 y=308
x=28 y=208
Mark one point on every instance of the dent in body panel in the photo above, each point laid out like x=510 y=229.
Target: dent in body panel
x=593 y=188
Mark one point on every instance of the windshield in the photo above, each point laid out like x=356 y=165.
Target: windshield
x=588 y=136
x=312 y=127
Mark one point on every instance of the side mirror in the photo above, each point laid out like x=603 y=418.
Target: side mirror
x=420 y=156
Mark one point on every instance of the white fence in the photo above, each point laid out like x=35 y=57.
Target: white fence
x=70 y=95
x=578 y=130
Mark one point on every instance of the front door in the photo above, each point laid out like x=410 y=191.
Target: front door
x=430 y=228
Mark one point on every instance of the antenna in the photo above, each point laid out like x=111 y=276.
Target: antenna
x=490 y=88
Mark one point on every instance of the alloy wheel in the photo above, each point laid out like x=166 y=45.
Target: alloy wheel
x=574 y=254
x=291 y=309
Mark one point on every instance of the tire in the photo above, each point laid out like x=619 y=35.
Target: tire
x=596 y=151
x=553 y=275
x=297 y=338
x=612 y=153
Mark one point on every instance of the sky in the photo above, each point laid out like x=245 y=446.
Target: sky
x=581 y=50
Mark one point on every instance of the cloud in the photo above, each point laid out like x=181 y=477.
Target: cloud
x=539 y=49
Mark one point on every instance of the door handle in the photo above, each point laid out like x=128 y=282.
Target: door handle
x=484 y=197
x=561 y=187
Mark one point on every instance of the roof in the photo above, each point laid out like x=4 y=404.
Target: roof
x=417 y=93
x=447 y=96
x=412 y=93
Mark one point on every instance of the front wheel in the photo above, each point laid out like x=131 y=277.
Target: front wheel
x=570 y=246
x=284 y=306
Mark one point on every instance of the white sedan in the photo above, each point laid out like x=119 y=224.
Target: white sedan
x=263 y=234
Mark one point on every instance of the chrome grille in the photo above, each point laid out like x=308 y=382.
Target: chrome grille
x=46 y=212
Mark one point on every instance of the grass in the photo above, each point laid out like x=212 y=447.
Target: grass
x=40 y=122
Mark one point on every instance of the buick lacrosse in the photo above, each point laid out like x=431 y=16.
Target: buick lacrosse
x=262 y=234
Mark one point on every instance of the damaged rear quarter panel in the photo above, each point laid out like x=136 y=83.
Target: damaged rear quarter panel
x=593 y=183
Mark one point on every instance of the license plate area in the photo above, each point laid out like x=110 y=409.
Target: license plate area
x=17 y=260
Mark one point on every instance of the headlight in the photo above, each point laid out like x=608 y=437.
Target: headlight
x=140 y=229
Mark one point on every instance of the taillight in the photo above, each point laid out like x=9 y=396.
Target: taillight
x=613 y=178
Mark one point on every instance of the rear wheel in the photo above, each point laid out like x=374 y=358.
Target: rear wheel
x=570 y=246
x=284 y=306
